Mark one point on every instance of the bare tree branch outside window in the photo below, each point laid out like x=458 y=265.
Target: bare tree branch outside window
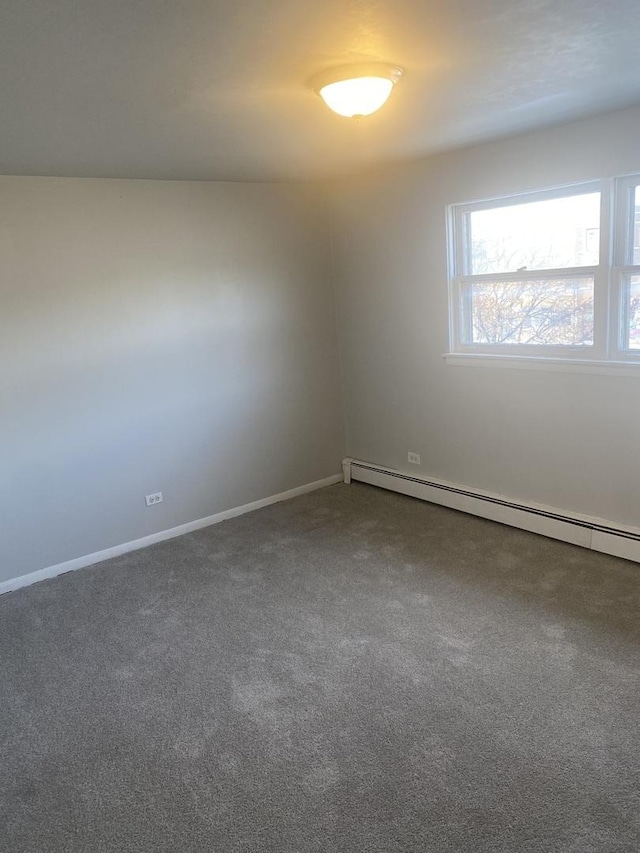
x=540 y=311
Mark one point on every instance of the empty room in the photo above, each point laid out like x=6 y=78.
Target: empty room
x=319 y=426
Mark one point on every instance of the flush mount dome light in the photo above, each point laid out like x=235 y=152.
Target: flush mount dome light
x=356 y=90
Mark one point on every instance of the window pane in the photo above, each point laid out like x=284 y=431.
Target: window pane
x=636 y=228
x=633 y=312
x=551 y=312
x=550 y=234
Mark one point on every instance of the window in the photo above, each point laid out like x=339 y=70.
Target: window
x=539 y=275
x=627 y=263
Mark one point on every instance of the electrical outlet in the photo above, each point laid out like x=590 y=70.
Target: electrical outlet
x=414 y=458
x=155 y=498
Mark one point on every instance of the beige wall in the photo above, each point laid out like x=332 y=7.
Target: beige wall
x=157 y=336
x=568 y=440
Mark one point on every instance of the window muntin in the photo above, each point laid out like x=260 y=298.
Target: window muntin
x=635 y=243
x=625 y=277
x=507 y=299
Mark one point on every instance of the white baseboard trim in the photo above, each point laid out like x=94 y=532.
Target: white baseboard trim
x=597 y=534
x=99 y=556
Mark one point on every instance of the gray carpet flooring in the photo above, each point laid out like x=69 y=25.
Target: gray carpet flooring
x=352 y=670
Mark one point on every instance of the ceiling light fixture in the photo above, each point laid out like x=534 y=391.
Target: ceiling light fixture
x=356 y=90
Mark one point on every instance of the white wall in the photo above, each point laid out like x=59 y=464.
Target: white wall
x=568 y=440
x=157 y=336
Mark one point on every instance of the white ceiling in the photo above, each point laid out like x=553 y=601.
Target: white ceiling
x=216 y=89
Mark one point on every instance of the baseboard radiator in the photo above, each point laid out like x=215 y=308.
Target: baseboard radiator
x=594 y=533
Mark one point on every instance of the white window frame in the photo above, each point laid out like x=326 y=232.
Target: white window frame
x=623 y=266
x=616 y=247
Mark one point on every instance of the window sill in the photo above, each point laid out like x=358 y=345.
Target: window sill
x=563 y=365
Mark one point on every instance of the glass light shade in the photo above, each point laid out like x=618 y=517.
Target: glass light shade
x=359 y=96
x=356 y=90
